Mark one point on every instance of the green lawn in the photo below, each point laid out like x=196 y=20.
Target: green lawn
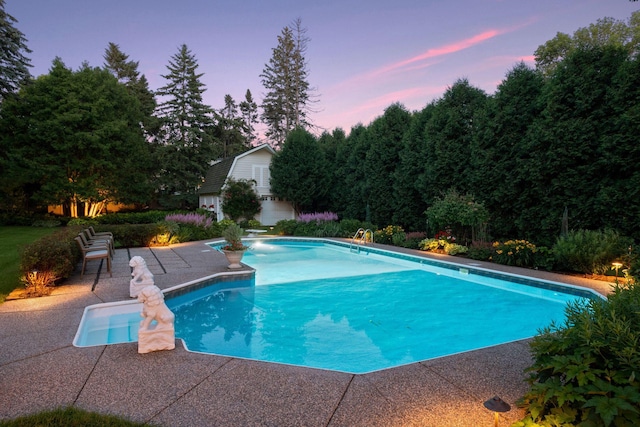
x=11 y=240
x=66 y=417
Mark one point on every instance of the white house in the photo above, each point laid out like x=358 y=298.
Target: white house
x=252 y=164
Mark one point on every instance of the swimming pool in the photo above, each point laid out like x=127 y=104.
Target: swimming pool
x=319 y=304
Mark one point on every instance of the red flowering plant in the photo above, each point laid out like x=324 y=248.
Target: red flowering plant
x=445 y=235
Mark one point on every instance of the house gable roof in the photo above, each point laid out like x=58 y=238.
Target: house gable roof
x=218 y=172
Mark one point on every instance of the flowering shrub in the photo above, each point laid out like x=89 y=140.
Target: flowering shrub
x=318 y=217
x=190 y=218
x=386 y=235
x=445 y=235
x=520 y=253
x=443 y=246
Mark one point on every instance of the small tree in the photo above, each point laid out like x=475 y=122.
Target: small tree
x=240 y=200
x=458 y=213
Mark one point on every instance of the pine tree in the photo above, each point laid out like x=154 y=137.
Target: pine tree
x=185 y=147
x=14 y=71
x=286 y=103
x=249 y=110
x=117 y=62
x=230 y=128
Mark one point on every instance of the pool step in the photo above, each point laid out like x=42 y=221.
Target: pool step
x=123 y=328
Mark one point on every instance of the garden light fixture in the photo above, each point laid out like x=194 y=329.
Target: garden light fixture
x=497 y=405
x=617 y=266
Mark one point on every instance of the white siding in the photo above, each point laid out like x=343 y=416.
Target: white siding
x=255 y=166
x=255 y=163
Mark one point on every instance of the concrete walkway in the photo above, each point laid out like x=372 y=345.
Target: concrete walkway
x=41 y=369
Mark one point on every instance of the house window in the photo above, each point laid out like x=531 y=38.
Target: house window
x=260 y=174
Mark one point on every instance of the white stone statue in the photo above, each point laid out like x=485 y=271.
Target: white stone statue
x=161 y=334
x=142 y=277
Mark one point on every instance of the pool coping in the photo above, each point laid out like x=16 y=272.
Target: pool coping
x=41 y=369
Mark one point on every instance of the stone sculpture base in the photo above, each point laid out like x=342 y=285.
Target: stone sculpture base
x=156 y=339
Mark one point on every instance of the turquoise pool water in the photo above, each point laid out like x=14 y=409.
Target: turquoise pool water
x=319 y=304
x=325 y=306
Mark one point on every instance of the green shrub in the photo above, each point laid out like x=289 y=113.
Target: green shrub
x=136 y=235
x=385 y=235
x=588 y=251
x=520 y=253
x=412 y=240
x=286 y=227
x=329 y=229
x=47 y=223
x=442 y=246
x=458 y=212
x=240 y=200
x=54 y=257
x=587 y=371
x=481 y=251
x=250 y=224
x=147 y=217
x=351 y=226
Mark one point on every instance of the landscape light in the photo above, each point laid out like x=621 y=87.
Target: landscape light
x=617 y=266
x=497 y=405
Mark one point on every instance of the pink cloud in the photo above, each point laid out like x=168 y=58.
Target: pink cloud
x=412 y=98
x=440 y=51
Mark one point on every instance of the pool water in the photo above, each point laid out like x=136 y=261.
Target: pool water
x=327 y=306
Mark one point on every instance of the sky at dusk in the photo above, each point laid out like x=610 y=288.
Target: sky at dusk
x=362 y=55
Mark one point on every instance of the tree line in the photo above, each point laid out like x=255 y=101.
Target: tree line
x=558 y=137
x=80 y=138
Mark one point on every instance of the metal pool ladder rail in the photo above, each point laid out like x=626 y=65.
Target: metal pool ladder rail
x=360 y=238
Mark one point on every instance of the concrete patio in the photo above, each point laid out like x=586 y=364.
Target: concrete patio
x=40 y=368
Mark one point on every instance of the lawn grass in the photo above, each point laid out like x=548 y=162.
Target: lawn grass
x=11 y=240
x=69 y=417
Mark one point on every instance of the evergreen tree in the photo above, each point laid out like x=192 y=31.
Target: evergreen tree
x=499 y=149
x=14 y=64
x=355 y=202
x=620 y=153
x=249 y=110
x=286 y=102
x=409 y=204
x=330 y=144
x=74 y=139
x=564 y=168
x=230 y=129
x=448 y=141
x=298 y=172
x=386 y=134
x=127 y=73
x=184 y=146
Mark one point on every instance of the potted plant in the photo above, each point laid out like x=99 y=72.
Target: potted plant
x=234 y=249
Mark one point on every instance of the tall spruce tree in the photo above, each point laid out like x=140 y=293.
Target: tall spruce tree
x=287 y=100
x=184 y=145
x=249 y=110
x=230 y=128
x=14 y=64
x=117 y=62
